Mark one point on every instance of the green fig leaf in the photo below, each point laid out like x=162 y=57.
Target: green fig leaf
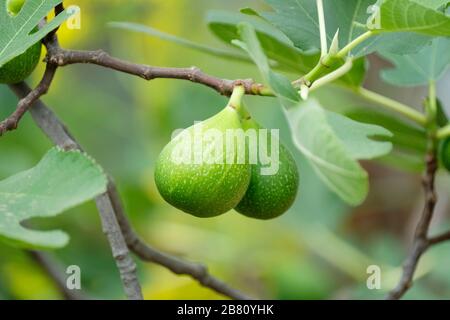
x=60 y=181
x=393 y=42
x=226 y=54
x=356 y=137
x=280 y=85
x=404 y=161
x=16 y=30
x=298 y=19
x=405 y=137
x=407 y=15
x=433 y=4
x=224 y=24
x=274 y=43
x=282 y=54
x=328 y=155
x=429 y=64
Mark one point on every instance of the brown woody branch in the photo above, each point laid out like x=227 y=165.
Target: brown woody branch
x=26 y=102
x=439 y=238
x=59 y=57
x=59 y=134
x=63 y=57
x=174 y=264
x=113 y=215
x=421 y=241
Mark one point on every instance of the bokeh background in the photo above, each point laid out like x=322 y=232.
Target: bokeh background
x=320 y=249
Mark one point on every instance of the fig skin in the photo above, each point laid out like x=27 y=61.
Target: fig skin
x=20 y=68
x=203 y=190
x=269 y=196
x=14 y=6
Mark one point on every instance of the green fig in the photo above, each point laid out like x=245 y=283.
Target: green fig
x=14 y=6
x=445 y=154
x=270 y=195
x=19 y=68
x=197 y=173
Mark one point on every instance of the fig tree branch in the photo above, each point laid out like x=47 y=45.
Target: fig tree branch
x=58 y=57
x=112 y=208
x=62 y=57
x=421 y=241
x=439 y=238
x=54 y=271
x=41 y=89
x=24 y=104
x=59 y=134
x=174 y=264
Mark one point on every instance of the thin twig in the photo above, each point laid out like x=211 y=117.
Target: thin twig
x=63 y=57
x=41 y=89
x=439 y=238
x=24 y=104
x=52 y=268
x=58 y=57
x=421 y=242
x=174 y=264
x=59 y=134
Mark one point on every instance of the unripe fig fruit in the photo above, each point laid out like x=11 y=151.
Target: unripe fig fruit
x=19 y=68
x=445 y=153
x=206 y=186
x=269 y=196
x=14 y=6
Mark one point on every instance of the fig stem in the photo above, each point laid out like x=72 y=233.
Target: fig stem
x=393 y=105
x=322 y=28
x=327 y=61
x=236 y=98
x=431 y=108
x=444 y=132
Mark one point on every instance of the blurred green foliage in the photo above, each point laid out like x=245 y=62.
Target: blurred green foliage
x=320 y=249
